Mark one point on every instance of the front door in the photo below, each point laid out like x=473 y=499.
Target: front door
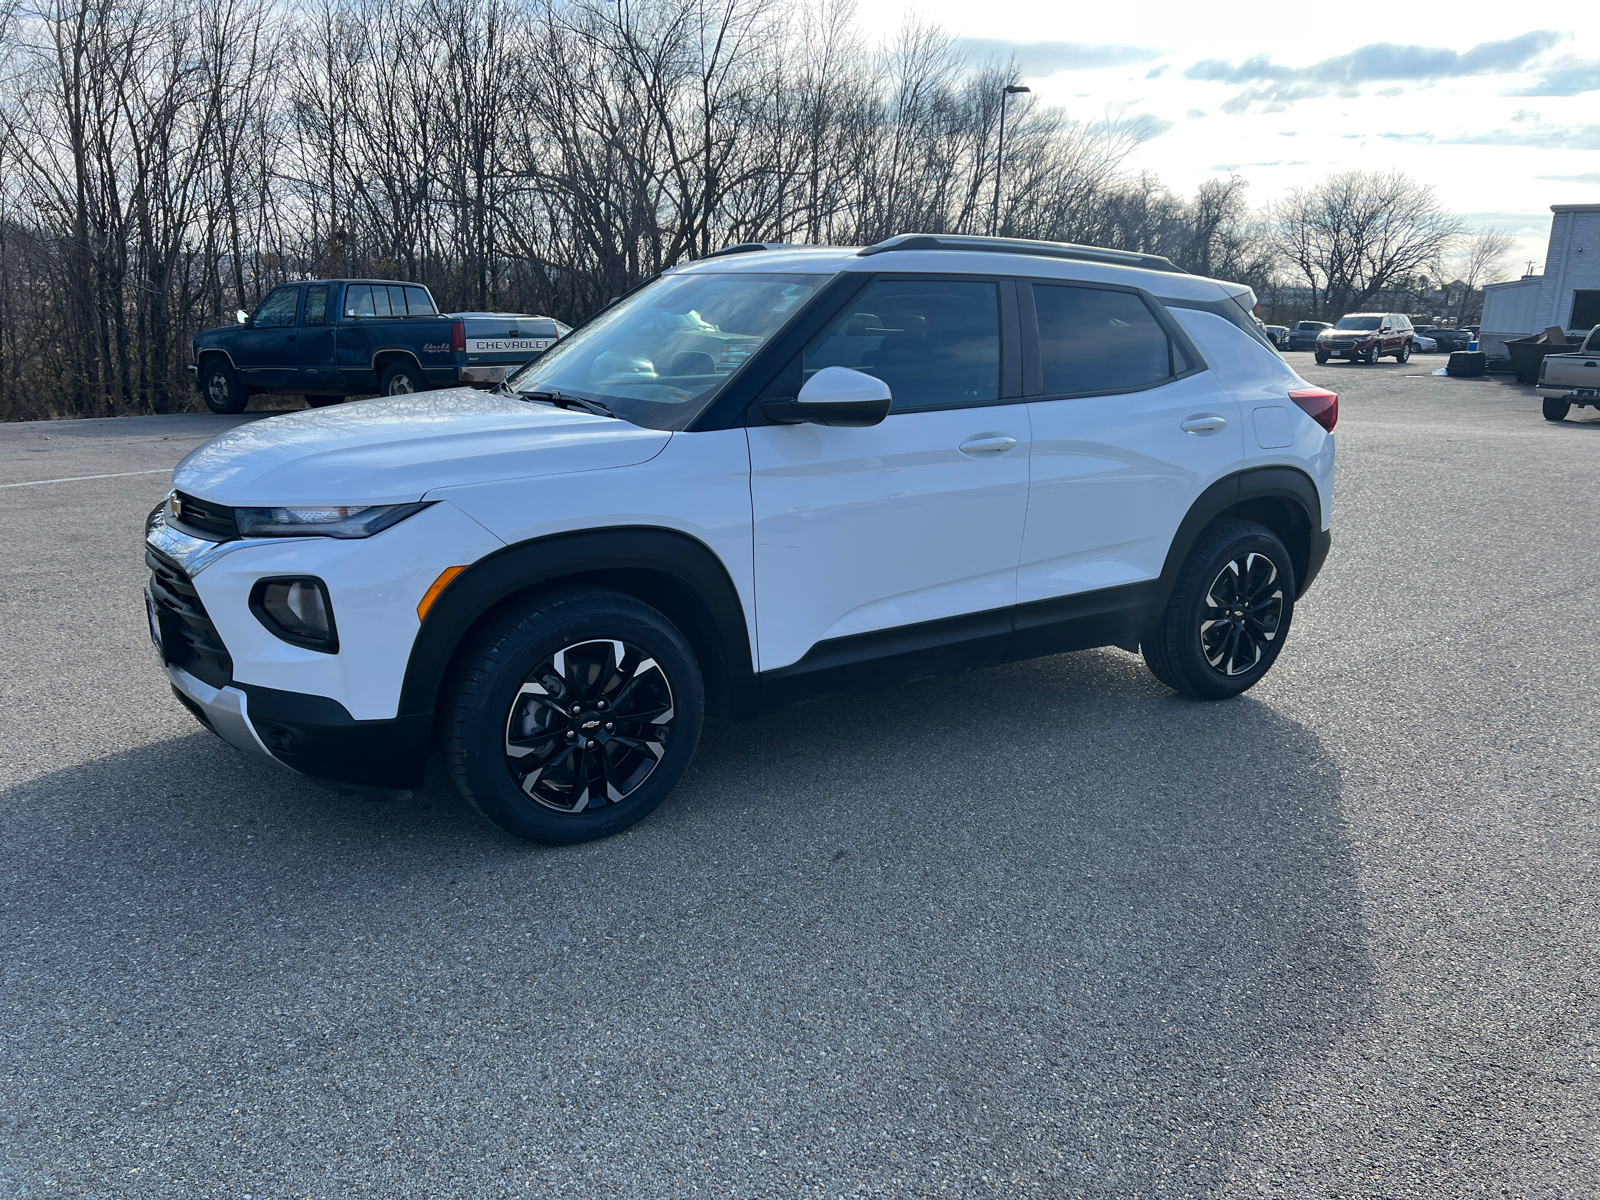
x=264 y=351
x=1126 y=435
x=915 y=520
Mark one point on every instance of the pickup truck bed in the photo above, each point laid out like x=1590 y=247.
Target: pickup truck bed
x=1572 y=379
x=331 y=338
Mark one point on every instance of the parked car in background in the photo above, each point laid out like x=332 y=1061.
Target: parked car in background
x=1366 y=337
x=1446 y=339
x=1304 y=334
x=1571 y=379
x=1421 y=344
x=557 y=581
x=507 y=340
x=327 y=339
x=1279 y=335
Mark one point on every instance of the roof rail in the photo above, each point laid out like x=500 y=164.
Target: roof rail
x=745 y=248
x=997 y=245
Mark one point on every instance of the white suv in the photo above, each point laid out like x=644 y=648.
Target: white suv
x=774 y=474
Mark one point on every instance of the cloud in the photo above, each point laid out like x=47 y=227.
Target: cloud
x=1196 y=114
x=1569 y=77
x=1157 y=72
x=1036 y=59
x=1381 y=62
x=1537 y=137
x=1592 y=177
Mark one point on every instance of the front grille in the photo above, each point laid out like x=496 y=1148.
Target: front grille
x=213 y=521
x=1340 y=345
x=188 y=638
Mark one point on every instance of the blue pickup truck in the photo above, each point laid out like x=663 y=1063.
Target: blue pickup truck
x=327 y=339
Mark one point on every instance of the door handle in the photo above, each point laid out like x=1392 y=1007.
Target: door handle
x=989 y=443
x=1205 y=423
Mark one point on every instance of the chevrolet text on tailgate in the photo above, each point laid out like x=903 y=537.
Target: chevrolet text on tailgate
x=332 y=338
x=772 y=475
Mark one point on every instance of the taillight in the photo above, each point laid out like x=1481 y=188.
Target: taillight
x=1321 y=405
x=458 y=337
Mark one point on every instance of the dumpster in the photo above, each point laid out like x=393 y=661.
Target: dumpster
x=1527 y=353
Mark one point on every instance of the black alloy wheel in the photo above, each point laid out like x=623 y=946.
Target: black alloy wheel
x=1243 y=613
x=589 y=725
x=1228 y=614
x=572 y=716
x=223 y=392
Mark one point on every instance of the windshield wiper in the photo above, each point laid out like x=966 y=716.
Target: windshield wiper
x=561 y=400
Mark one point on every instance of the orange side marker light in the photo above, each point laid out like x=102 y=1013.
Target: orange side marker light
x=439 y=585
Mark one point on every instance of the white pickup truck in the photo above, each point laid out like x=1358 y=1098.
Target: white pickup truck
x=1568 y=379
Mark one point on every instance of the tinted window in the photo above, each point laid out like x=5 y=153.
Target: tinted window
x=933 y=342
x=316 y=312
x=358 y=300
x=1092 y=340
x=418 y=302
x=1358 y=322
x=278 y=309
x=1585 y=309
x=380 y=302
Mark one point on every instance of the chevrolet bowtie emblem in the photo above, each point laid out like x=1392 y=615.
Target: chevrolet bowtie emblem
x=591 y=724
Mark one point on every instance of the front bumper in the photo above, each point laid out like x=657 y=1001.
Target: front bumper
x=311 y=735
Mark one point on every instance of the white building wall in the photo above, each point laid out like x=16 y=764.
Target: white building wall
x=1513 y=308
x=1572 y=261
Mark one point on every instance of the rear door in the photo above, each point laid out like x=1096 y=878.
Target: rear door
x=1128 y=429
x=318 y=363
x=917 y=519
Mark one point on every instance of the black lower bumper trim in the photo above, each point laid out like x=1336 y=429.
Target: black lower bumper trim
x=317 y=736
x=1321 y=543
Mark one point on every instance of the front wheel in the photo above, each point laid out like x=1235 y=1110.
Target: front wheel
x=223 y=392
x=573 y=716
x=1555 y=409
x=1321 y=357
x=1228 y=614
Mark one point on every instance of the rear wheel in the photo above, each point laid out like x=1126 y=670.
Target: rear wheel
x=1556 y=410
x=402 y=379
x=1228 y=614
x=1404 y=354
x=572 y=717
x=221 y=388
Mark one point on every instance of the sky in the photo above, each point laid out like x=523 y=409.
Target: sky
x=1499 y=113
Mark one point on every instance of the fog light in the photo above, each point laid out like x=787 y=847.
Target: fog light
x=298 y=611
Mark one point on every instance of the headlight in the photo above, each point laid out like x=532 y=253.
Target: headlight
x=345 y=522
x=298 y=611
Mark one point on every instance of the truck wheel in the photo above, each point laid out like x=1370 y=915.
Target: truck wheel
x=1556 y=410
x=402 y=379
x=1228 y=614
x=323 y=401
x=573 y=716
x=220 y=387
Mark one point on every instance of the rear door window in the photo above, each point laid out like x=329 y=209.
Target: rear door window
x=1097 y=340
x=358 y=300
x=936 y=343
x=316 y=309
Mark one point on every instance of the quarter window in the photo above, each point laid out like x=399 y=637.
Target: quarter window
x=935 y=343
x=1095 y=340
x=278 y=309
x=418 y=302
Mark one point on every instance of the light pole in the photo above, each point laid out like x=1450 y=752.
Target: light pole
x=1000 y=153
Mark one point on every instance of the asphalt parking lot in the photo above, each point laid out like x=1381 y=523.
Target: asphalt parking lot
x=1045 y=930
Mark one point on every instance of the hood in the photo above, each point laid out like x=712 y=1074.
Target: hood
x=397 y=448
x=1358 y=334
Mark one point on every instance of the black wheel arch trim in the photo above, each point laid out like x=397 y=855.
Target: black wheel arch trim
x=1260 y=488
x=665 y=568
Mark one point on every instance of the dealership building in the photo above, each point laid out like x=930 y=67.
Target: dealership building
x=1567 y=294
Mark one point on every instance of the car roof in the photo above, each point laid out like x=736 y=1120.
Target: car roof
x=396 y=282
x=528 y=316
x=976 y=256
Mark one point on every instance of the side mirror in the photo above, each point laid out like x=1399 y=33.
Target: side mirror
x=244 y=317
x=836 y=396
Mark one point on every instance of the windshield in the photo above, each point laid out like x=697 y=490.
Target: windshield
x=1592 y=342
x=1359 y=322
x=659 y=357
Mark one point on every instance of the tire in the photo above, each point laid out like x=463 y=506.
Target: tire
x=324 y=401
x=563 y=645
x=1195 y=651
x=1321 y=357
x=220 y=387
x=402 y=379
x=1370 y=357
x=1556 y=410
x=1404 y=355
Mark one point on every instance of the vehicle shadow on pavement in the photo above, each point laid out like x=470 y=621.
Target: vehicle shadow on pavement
x=1044 y=923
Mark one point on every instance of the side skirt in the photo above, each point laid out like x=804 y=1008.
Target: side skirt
x=884 y=658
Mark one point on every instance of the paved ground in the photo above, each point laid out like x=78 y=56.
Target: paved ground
x=1045 y=930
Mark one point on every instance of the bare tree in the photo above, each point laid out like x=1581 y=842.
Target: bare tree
x=1477 y=258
